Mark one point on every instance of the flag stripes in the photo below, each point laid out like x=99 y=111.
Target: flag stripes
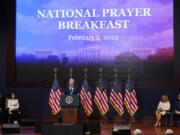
x=86 y=101
x=130 y=101
x=101 y=100
x=116 y=101
x=54 y=98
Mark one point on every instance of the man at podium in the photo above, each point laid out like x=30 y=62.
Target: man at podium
x=71 y=89
x=70 y=103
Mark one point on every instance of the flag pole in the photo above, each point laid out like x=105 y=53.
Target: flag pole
x=71 y=72
x=55 y=70
x=115 y=73
x=129 y=73
x=115 y=77
x=85 y=72
x=85 y=77
x=100 y=76
x=129 y=78
x=100 y=72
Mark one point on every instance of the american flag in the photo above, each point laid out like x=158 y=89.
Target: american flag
x=116 y=98
x=130 y=99
x=100 y=98
x=86 y=99
x=54 y=98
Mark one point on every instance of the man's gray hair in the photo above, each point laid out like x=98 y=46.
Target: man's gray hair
x=137 y=132
x=169 y=132
x=71 y=79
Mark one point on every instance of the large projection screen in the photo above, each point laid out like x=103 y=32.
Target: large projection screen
x=94 y=33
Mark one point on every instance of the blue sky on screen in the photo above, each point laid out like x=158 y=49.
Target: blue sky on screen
x=151 y=32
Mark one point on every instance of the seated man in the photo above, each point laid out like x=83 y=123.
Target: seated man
x=71 y=89
x=176 y=112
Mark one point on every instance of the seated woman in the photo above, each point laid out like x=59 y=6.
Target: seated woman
x=13 y=108
x=163 y=107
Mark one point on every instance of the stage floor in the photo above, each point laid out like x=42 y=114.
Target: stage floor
x=106 y=129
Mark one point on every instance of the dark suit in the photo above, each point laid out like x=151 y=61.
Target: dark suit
x=174 y=115
x=71 y=91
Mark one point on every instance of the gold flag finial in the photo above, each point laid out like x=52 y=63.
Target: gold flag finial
x=115 y=72
x=129 y=73
x=55 y=71
x=70 y=72
x=100 y=71
x=85 y=72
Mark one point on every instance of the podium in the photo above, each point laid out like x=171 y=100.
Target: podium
x=70 y=108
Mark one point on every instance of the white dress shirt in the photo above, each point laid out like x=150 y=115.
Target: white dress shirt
x=71 y=89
